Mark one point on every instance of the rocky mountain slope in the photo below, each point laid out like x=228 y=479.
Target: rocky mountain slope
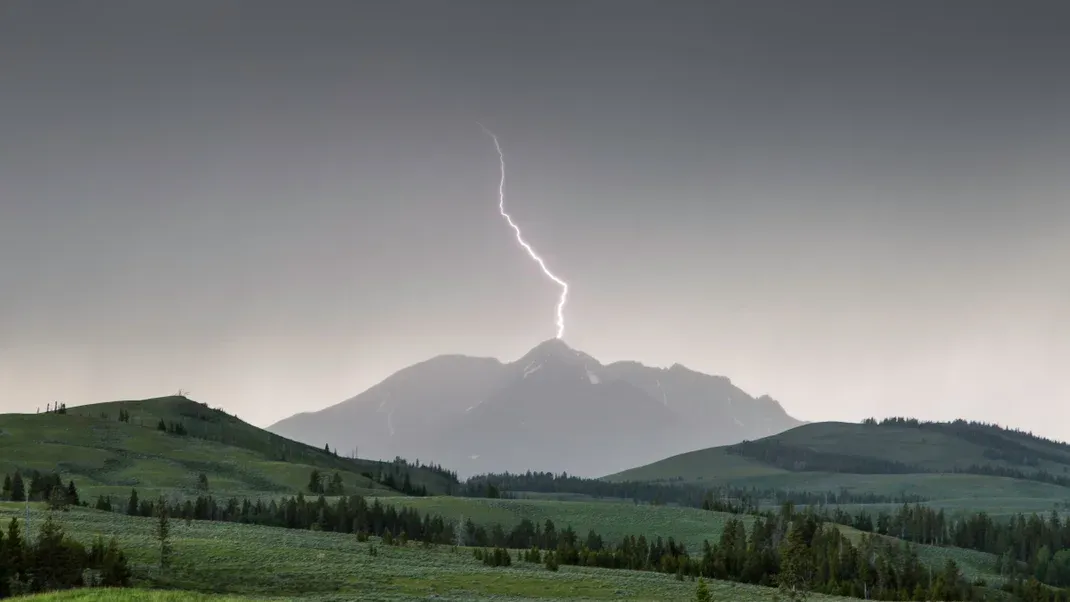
x=554 y=409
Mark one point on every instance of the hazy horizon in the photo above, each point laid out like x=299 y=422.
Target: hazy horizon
x=859 y=209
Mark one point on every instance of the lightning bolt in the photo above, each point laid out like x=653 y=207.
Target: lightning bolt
x=520 y=239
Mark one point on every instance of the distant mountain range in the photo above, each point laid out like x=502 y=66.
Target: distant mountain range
x=555 y=409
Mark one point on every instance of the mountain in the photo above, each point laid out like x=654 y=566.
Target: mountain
x=554 y=409
x=932 y=460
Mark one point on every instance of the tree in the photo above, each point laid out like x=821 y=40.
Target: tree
x=795 y=562
x=202 y=482
x=7 y=487
x=72 y=494
x=114 y=570
x=163 y=532
x=57 y=499
x=336 y=486
x=315 y=481
x=161 y=426
x=132 y=504
x=702 y=592
x=18 y=488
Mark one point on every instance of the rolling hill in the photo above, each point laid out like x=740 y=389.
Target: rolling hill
x=555 y=409
x=105 y=455
x=955 y=460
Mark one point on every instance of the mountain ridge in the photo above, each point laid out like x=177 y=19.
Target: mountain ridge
x=553 y=408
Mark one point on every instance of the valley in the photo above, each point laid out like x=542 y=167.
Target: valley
x=189 y=458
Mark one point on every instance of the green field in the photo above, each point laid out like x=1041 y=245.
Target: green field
x=272 y=563
x=613 y=521
x=106 y=457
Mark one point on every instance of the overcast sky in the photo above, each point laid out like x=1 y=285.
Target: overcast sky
x=858 y=207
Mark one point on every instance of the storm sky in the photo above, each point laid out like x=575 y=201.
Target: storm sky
x=858 y=207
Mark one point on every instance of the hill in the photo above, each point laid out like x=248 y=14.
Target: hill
x=108 y=448
x=933 y=460
x=555 y=409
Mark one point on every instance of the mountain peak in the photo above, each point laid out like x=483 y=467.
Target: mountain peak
x=558 y=352
x=553 y=346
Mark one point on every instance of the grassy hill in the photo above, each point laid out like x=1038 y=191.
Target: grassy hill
x=969 y=465
x=107 y=456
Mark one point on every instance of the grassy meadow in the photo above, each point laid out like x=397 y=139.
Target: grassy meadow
x=264 y=563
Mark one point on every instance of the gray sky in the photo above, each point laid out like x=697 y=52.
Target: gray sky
x=858 y=207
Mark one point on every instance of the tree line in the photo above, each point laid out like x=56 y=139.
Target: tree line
x=42 y=488
x=721 y=498
x=55 y=561
x=801 y=549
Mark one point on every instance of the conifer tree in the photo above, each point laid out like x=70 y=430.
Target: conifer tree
x=702 y=592
x=72 y=494
x=132 y=504
x=163 y=532
x=18 y=488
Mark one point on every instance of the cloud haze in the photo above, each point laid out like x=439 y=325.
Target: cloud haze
x=857 y=207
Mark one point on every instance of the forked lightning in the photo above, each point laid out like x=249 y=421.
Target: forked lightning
x=523 y=243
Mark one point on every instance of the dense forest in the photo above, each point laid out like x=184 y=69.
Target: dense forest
x=682 y=494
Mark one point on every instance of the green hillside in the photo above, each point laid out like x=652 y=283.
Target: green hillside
x=109 y=456
x=972 y=465
x=267 y=563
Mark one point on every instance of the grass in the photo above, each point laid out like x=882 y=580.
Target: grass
x=613 y=521
x=107 y=457
x=240 y=562
x=130 y=595
x=932 y=450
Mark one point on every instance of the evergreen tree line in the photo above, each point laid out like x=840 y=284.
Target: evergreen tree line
x=721 y=498
x=55 y=561
x=42 y=488
x=398 y=481
x=799 y=549
x=172 y=428
x=1032 y=546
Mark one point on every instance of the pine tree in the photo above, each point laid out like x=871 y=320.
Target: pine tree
x=315 y=484
x=72 y=494
x=114 y=570
x=18 y=488
x=163 y=532
x=6 y=494
x=795 y=562
x=132 y=504
x=702 y=592
x=5 y=569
